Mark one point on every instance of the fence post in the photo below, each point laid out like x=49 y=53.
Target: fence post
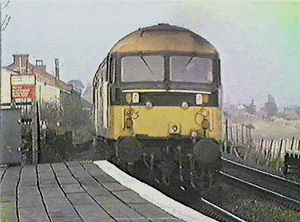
x=237 y=134
x=35 y=134
x=259 y=152
x=279 y=155
x=226 y=136
x=292 y=146
x=231 y=134
x=269 y=154
x=266 y=150
x=243 y=134
x=250 y=136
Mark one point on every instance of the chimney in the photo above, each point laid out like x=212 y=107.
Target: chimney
x=20 y=63
x=39 y=66
x=21 y=59
x=56 y=68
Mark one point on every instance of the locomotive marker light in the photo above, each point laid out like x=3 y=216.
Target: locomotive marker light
x=199 y=99
x=202 y=99
x=129 y=98
x=135 y=97
x=205 y=99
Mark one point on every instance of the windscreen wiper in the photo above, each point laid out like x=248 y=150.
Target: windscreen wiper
x=188 y=63
x=141 y=56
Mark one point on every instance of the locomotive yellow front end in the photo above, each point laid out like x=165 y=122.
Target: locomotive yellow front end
x=178 y=122
x=181 y=121
x=160 y=101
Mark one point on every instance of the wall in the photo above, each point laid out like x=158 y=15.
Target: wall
x=6 y=87
x=47 y=93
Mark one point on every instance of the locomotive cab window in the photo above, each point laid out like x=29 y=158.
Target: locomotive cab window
x=191 y=69
x=142 y=68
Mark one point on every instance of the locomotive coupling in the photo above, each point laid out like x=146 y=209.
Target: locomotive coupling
x=206 y=151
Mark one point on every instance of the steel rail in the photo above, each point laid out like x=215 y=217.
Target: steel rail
x=224 y=214
x=290 y=201
x=277 y=184
x=260 y=171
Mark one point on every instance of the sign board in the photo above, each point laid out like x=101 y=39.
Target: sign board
x=18 y=80
x=23 y=93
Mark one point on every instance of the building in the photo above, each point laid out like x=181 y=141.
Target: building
x=6 y=88
x=21 y=84
x=25 y=82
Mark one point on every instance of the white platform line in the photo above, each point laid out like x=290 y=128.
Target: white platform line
x=152 y=195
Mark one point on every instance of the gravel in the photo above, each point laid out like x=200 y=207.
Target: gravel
x=247 y=205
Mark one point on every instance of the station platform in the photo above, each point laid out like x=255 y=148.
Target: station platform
x=84 y=191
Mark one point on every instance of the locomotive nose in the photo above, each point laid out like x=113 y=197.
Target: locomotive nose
x=206 y=151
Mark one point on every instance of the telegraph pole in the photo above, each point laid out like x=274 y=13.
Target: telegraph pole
x=3 y=25
x=1 y=139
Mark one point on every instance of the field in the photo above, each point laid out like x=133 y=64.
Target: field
x=276 y=128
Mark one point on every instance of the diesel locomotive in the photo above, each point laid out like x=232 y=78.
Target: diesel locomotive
x=157 y=105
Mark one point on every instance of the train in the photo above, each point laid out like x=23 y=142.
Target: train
x=157 y=105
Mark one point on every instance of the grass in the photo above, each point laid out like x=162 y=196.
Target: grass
x=275 y=129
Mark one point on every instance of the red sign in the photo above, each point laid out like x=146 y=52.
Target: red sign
x=25 y=92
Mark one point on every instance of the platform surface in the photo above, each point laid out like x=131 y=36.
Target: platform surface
x=71 y=192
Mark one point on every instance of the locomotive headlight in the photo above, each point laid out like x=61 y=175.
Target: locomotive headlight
x=199 y=99
x=129 y=98
x=135 y=98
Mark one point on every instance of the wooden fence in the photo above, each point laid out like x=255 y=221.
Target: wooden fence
x=277 y=149
x=240 y=135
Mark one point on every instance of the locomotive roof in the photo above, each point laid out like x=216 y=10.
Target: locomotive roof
x=163 y=37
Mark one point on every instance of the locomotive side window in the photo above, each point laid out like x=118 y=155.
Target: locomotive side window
x=191 y=69
x=112 y=75
x=142 y=68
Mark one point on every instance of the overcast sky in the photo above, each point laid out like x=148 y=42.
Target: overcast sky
x=258 y=41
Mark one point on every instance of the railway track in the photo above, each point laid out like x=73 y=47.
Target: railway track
x=273 y=186
x=217 y=212
x=259 y=186
x=201 y=204
x=268 y=187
